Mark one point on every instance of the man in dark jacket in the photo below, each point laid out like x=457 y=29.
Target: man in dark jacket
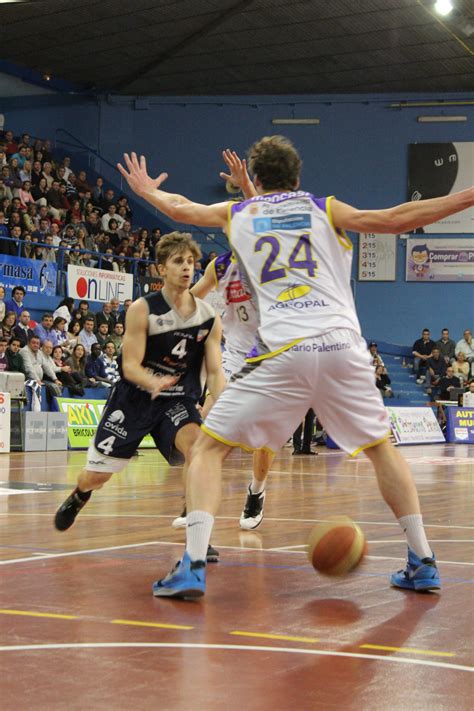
x=15 y=362
x=95 y=367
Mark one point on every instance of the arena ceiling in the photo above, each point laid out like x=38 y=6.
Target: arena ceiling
x=213 y=47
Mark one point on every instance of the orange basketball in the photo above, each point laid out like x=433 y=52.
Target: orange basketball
x=337 y=546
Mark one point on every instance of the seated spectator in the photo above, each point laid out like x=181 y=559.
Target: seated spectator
x=28 y=248
x=115 y=309
x=121 y=264
x=8 y=324
x=447 y=383
x=59 y=330
x=198 y=272
x=74 y=211
x=436 y=370
x=105 y=316
x=102 y=334
x=56 y=203
x=48 y=173
x=3 y=354
x=110 y=362
x=117 y=336
x=95 y=367
x=69 y=236
x=87 y=337
x=98 y=192
x=44 y=330
x=30 y=218
x=382 y=381
x=82 y=312
x=10 y=246
x=2 y=303
x=15 y=362
x=109 y=199
x=422 y=349
x=72 y=334
x=5 y=190
x=73 y=381
x=123 y=314
x=466 y=346
x=66 y=164
x=37 y=176
x=14 y=166
x=25 y=172
x=81 y=182
x=87 y=261
x=48 y=252
x=123 y=208
x=77 y=362
x=24 y=193
x=108 y=260
x=461 y=368
x=38 y=368
x=468 y=397
x=64 y=310
x=15 y=304
x=112 y=233
x=22 y=330
x=212 y=255
x=111 y=214
x=75 y=257
x=375 y=358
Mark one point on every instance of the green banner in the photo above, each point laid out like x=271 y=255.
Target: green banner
x=83 y=417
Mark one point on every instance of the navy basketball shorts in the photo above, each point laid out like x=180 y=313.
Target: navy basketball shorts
x=129 y=415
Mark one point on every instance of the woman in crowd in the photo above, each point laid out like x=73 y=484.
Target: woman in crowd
x=24 y=193
x=59 y=330
x=64 y=309
x=74 y=211
x=65 y=374
x=28 y=249
x=30 y=218
x=8 y=324
x=72 y=335
x=382 y=381
x=14 y=166
x=25 y=172
x=39 y=191
x=461 y=367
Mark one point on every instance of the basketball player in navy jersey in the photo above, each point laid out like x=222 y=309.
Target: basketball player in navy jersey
x=293 y=251
x=170 y=335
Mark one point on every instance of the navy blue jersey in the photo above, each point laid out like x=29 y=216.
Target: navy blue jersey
x=175 y=346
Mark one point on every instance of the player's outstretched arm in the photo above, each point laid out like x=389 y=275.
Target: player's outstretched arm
x=401 y=218
x=238 y=175
x=133 y=351
x=206 y=283
x=177 y=207
x=213 y=358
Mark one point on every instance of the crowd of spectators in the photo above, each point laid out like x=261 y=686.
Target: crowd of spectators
x=49 y=212
x=443 y=365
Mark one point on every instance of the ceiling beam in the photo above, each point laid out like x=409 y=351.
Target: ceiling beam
x=240 y=6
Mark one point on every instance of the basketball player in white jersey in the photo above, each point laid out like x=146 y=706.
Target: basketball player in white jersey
x=295 y=255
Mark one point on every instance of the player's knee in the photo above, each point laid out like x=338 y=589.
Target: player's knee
x=206 y=445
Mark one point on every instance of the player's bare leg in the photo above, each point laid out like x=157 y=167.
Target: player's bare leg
x=252 y=515
x=399 y=491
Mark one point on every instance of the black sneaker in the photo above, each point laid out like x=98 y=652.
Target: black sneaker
x=67 y=512
x=252 y=515
x=297 y=450
x=308 y=451
x=212 y=556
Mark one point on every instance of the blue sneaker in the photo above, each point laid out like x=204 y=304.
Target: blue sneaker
x=187 y=580
x=419 y=575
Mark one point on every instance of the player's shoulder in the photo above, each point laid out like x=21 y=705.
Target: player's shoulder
x=156 y=303
x=221 y=265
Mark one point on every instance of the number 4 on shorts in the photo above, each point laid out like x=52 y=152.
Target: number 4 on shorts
x=106 y=445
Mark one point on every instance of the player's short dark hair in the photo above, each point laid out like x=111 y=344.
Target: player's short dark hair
x=176 y=243
x=276 y=162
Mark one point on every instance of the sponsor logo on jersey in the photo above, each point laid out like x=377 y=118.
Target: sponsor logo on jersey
x=113 y=422
x=160 y=321
x=299 y=305
x=117 y=416
x=236 y=292
x=177 y=414
x=201 y=334
x=295 y=291
x=283 y=222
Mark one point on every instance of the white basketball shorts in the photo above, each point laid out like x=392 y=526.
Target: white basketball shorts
x=232 y=363
x=332 y=374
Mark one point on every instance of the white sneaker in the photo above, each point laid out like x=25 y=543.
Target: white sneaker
x=180 y=522
x=252 y=515
x=420 y=380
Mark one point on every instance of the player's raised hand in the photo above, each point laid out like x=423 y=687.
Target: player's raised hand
x=136 y=174
x=238 y=175
x=160 y=383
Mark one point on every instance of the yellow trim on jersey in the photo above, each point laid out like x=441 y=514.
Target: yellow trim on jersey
x=214 y=272
x=371 y=444
x=264 y=356
x=229 y=218
x=245 y=447
x=343 y=239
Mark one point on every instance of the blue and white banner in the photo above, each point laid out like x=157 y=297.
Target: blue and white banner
x=440 y=259
x=36 y=276
x=414 y=425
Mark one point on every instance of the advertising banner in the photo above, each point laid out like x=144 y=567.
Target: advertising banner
x=36 y=276
x=436 y=169
x=414 y=425
x=5 y=422
x=82 y=419
x=98 y=284
x=460 y=425
x=148 y=285
x=429 y=260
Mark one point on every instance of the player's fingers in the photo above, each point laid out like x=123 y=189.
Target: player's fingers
x=224 y=176
x=127 y=160
x=160 y=179
x=122 y=170
x=143 y=163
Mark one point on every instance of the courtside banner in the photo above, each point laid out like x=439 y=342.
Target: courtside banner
x=36 y=276
x=4 y=422
x=429 y=260
x=414 y=425
x=83 y=416
x=98 y=284
x=460 y=424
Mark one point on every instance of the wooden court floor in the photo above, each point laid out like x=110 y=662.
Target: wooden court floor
x=80 y=629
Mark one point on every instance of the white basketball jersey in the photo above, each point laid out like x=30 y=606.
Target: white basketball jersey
x=298 y=267
x=239 y=318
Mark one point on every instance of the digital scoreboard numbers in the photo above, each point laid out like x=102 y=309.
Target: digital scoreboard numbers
x=377 y=257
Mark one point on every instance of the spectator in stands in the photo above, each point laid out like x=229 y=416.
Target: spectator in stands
x=48 y=173
x=28 y=248
x=122 y=204
x=10 y=245
x=67 y=167
x=111 y=214
x=198 y=272
x=15 y=304
x=3 y=354
x=64 y=310
x=59 y=330
x=37 y=175
x=68 y=236
x=108 y=260
x=102 y=334
x=22 y=330
x=422 y=349
x=435 y=371
x=121 y=264
x=105 y=316
x=461 y=368
x=92 y=225
x=109 y=199
x=110 y=362
x=37 y=367
x=98 y=192
x=71 y=380
x=44 y=330
x=30 y=218
x=11 y=146
x=4 y=235
x=74 y=211
x=56 y=203
x=75 y=257
x=117 y=336
x=82 y=312
x=81 y=182
x=24 y=193
x=466 y=346
x=382 y=381
x=112 y=233
x=87 y=337
x=2 y=303
x=5 y=190
x=3 y=156
x=77 y=362
x=95 y=367
x=447 y=383
x=123 y=314
x=14 y=166
x=8 y=324
x=72 y=340
x=48 y=252
x=15 y=362
x=25 y=172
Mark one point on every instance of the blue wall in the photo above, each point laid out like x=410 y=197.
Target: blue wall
x=358 y=152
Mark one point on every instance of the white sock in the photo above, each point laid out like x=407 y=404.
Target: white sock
x=256 y=487
x=198 y=532
x=413 y=529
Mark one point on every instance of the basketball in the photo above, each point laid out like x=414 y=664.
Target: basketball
x=336 y=547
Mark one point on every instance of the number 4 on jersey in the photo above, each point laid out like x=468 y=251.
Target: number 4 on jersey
x=180 y=349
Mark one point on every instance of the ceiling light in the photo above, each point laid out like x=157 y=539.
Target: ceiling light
x=441 y=119
x=296 y=122
x=443 y=7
